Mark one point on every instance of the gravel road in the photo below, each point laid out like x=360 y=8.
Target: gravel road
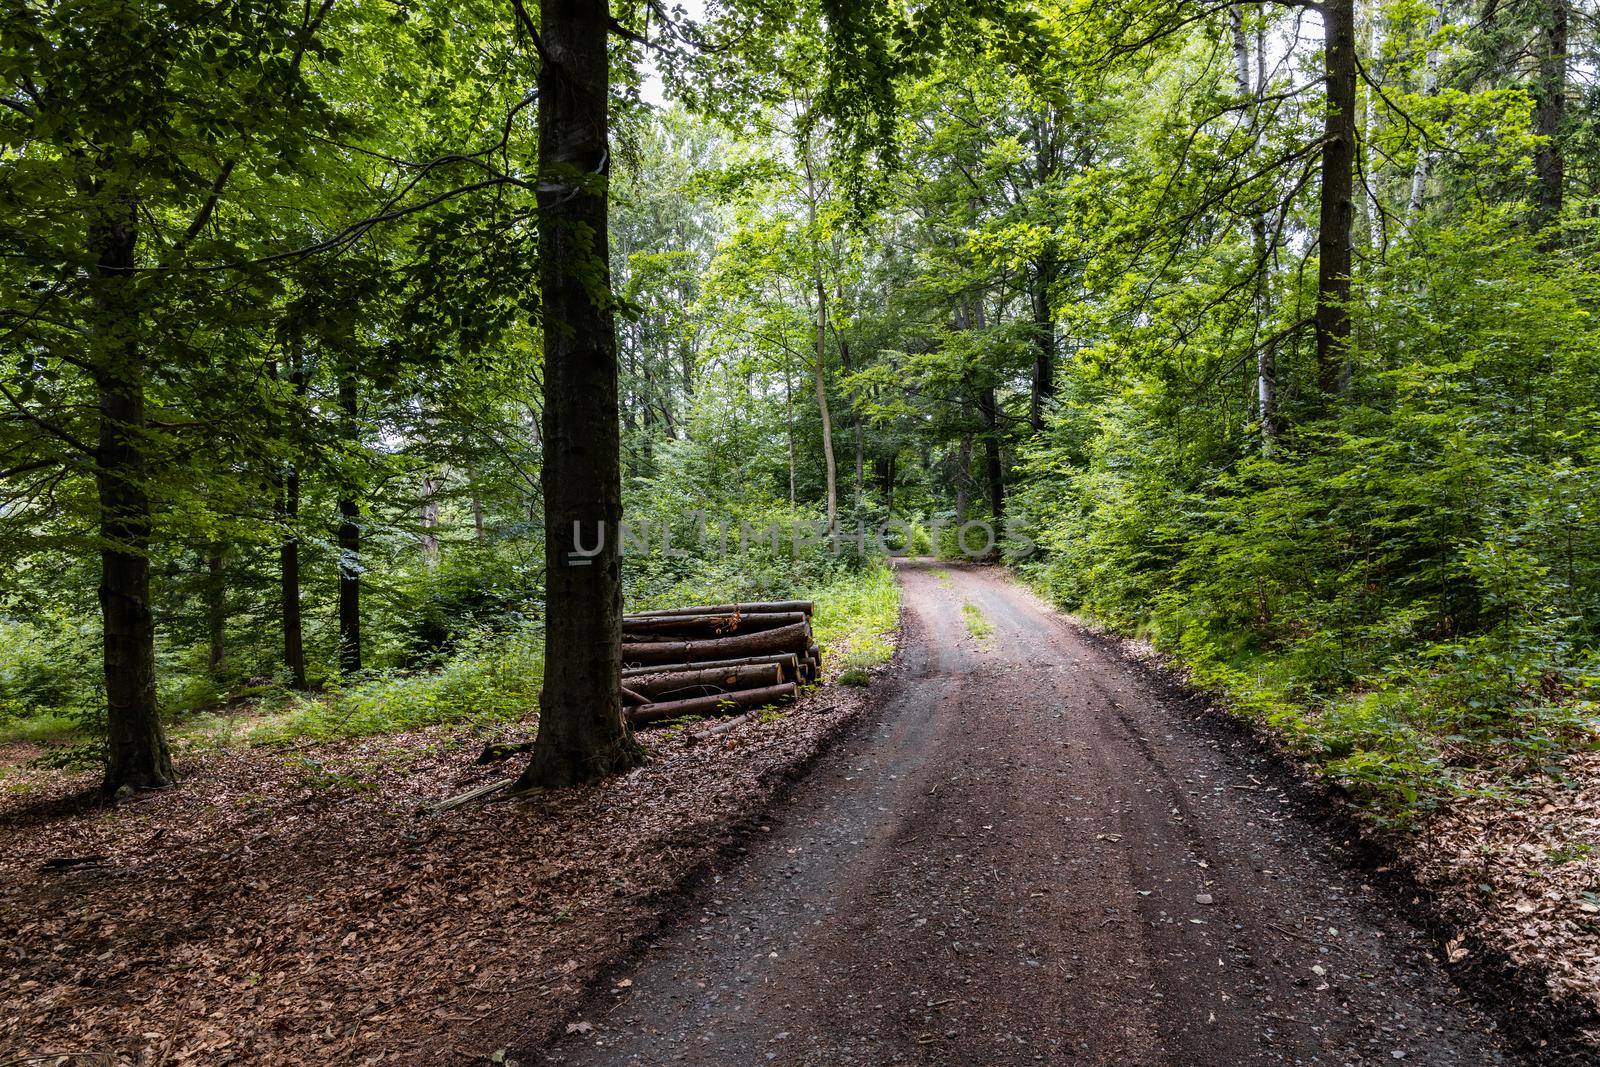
x=1030 y=853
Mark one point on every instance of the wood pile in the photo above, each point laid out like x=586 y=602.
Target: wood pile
x=716 y=659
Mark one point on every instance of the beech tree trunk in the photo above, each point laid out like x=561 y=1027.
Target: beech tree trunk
x=216 y=609
x=1265 y=391
x=137 y=756
x=830 y=468
x=990 y=410
x=428 y=520
x=855 y=427
x=788 y=421
x=963 y=478
x=1550 y=113
x=1430 y=85
x=349 y=541
x=294 y=652
x=1044 y=357
x=1337 y=208
x=582 y=735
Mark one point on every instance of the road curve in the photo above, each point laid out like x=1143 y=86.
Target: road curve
x=1028 y=855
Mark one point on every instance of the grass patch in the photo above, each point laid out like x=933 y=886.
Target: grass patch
x=489 y=680
x=978 y=625
x=856 y=616
x=40 y=728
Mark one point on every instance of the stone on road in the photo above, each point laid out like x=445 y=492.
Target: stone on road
x=1031 y=853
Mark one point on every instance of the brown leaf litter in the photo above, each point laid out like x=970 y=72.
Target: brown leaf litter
x=296 y=907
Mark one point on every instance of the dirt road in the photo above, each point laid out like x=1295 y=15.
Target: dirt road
x=1030 y=856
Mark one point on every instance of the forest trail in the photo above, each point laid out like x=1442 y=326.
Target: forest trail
x=1031 y=854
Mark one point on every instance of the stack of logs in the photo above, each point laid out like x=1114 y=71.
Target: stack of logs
x=716 y=660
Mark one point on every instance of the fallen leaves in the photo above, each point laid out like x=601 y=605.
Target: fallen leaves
x=258 y=913
x=1519 y=872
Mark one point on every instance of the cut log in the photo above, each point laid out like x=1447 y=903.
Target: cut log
x=719 y=704
x=784 y=639
x=723 y=727
x=722 y=609
x=649 y=627
x=706 y=680
x=470 y=795
x=788 y=662
x=632 y=696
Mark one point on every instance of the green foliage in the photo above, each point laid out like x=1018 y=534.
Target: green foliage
x=491 y=677
x=1404 y=588
x=856 y=616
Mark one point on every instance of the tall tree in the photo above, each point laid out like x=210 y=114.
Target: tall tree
x=1549 y=115
x=582 y=735
x=1336 y=202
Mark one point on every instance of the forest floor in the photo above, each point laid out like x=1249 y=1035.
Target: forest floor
x=1024 y=843
x=295 y=904
x=1040 y=849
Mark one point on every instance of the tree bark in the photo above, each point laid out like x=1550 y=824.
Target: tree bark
x=1337 y=209
x=1266 y=383
x=582 y=735
x=216 y=609
x=137 y=756
x=830 y=468
x=805 y=607
x=1044 y=325
x=349 y=538
x=428 y=521
x=963 y=477
x=294 y=652
x=718 y=704
x=855 y=427
x=1549 y=114
x=990 y=410
x=786 y=662
x=479 y=531
x=793 y=638
x=705 y=681
x=689 y=627
x=788 y=420
x=1430 y=85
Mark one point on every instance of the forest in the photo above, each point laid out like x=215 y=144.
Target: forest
x=1262 y=333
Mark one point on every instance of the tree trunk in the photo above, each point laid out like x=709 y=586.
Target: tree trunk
x=1337 y=210
x=349 y=539
x=479 y=531
x=1266 y=383
x=137 y=756
x=216 y=609
x=990 y=410
x=582 y=735
x=294 y=652
x=428 y=520
x=1044 y=357
x=1430 y=85
x=855 y=427
x=964 y=477
x=829 y=467
x=788 y=420
x=1550 y=113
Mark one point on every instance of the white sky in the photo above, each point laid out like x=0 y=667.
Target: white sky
x=652 y=91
